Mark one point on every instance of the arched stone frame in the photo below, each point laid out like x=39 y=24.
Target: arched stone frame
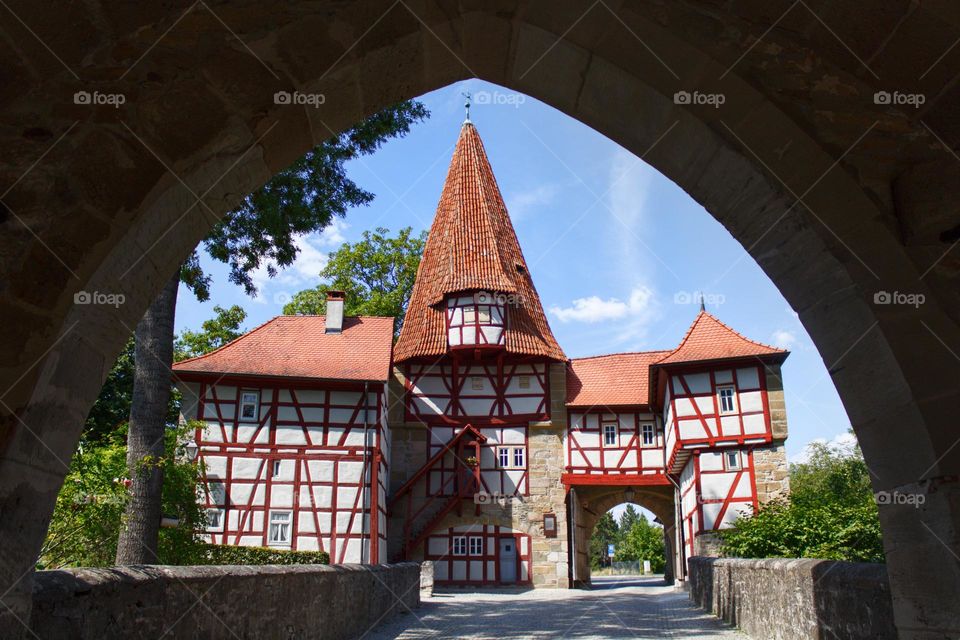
x=125 y=179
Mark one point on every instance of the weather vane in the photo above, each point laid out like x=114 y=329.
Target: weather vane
x=466 y=105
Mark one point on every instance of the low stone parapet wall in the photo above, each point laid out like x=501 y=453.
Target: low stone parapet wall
x=297 y=601
x=783 y=599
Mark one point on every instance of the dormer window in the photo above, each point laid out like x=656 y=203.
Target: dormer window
x=476 y=320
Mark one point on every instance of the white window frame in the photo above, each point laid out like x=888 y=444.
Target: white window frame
x=276 y=541
x=275 y=469
x=476 y=546
x=244 y=402
x=523 y=457
x=503 y=457
x=476 y=383
x=644 y=429
x=616 y=434
x=469 y=315
x=458 y=546
x=739 y=460
x=524 y=382
x=220 y=515
x=733 y=398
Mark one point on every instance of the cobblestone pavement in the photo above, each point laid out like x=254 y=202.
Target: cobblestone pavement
x=617 y=607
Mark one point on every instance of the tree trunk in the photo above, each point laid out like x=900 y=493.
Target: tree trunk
x=153 y=354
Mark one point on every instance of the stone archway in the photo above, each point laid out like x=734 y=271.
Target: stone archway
x=589 y=503
x=838 y=195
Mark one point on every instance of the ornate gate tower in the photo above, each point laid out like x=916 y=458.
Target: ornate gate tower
x=479 y=454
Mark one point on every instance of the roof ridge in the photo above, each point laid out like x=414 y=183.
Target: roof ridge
x=237 y=339
x=621 y=353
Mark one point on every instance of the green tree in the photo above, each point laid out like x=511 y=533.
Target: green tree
x=377 y=274
x=214 y=333
x=264 y=230
x=90 y=506
x=642 y=541
x=628 y=518
x=606 y=532
x=831 y=514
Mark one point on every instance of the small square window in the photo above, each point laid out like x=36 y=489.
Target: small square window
x=469 y=315
x=609 y=434
x=476 y=383
x=727 y=399
x=459 y=545
x=524 y=382
x=503 y=457
x=476 y=545
x=518 y=455
x=279 y=531
x=483 y=313
x=214 y=519
x=249 y=406
x=276 y=468
x=731 y=460
x=647 y=435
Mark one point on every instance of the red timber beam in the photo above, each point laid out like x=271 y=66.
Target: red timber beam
x=614 y=479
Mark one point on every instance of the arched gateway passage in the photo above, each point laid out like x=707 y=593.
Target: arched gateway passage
x=841 y=190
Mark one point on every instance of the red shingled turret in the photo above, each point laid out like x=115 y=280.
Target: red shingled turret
x=472 y=247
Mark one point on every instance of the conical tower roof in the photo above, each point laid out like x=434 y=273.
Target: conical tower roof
x=472 y=246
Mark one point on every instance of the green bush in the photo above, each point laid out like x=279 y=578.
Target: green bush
x=830 y=514
x=224 y=554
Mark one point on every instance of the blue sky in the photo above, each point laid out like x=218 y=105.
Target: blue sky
x=617 y=251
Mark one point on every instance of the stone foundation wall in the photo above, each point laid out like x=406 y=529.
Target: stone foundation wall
x=782 y=599
x=304 y=601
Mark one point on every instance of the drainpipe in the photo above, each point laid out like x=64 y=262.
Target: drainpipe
x=366 y=448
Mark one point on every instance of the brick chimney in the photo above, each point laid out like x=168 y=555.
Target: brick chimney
x=334 y=311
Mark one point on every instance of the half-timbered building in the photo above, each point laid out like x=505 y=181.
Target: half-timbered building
x=489 y=452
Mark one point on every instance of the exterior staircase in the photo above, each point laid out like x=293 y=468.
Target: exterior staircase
x=420 y=520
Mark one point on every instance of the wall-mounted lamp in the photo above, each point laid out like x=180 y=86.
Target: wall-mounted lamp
x=628 y=494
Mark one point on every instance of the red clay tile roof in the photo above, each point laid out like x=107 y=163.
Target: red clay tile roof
x=710 y=339
x=614 y=380
x=472 y=246
x=624 y=378
x=298 y=347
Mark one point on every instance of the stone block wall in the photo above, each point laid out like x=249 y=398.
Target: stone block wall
x=772 y=471
x=783 y=599
x=221 y=602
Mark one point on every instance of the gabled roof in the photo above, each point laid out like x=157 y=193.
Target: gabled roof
x=472 y=246
x=299 y=347
x=710 y=339
x=613 y=380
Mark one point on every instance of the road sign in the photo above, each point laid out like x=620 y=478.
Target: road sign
x=610 y=550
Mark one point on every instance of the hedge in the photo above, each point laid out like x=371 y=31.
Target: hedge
x=224 y=554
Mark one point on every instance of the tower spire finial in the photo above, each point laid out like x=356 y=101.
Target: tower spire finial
x=466 y=105
x=702 y=307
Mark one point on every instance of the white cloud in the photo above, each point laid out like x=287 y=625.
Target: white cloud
x=628 y=189
x=523 y=202
x=783 y=339
x=841 y=443
x=312 y=258
x=595 y=309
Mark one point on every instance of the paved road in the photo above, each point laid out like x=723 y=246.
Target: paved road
x=617 y=607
